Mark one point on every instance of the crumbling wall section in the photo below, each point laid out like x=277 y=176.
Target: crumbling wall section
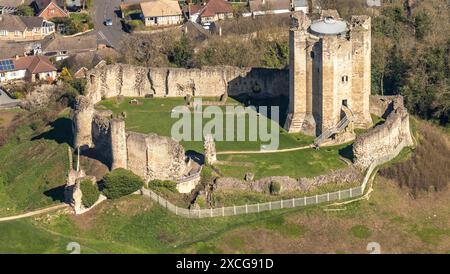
x=385 y=138
x=127 y=80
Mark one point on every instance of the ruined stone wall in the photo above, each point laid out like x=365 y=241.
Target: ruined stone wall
x=82 y=116
x=384 y=138
x=155 y=157
x=128 y=80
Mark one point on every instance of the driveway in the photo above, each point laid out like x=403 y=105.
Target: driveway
x=109 y=35
x=6 y=101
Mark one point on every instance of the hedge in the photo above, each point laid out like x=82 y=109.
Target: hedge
x=90 y=193
x=121 y=182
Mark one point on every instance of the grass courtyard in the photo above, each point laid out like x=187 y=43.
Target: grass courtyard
x=154 y=115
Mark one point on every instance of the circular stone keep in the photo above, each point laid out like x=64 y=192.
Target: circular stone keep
x=328 y=26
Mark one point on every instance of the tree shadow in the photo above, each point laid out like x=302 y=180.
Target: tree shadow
x=61 y=132
x=57 y=193
x=347 y=152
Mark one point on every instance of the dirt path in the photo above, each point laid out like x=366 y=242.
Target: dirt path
x=263 y=151
x=33 y=213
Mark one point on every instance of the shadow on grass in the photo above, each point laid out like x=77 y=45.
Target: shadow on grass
x=347 y=152
x=57 y=193
x=61 y=132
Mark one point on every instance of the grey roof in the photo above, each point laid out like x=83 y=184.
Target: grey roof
x=300 y=3
x=76 y=43
x=20 y=23
x=328 y=26
x=11 y=3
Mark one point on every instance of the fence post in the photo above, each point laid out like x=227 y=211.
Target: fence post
x=258 y=207
x=176 y=210
x=270 y=205
x=339 y=194
x=317 y=199
x=223 y=211
x=293 y=202
x=234 y=209
x=281 y=203
x=246 y=209
x=210 y=210
x=328 y=196
x=304 y=201
x=351 y=192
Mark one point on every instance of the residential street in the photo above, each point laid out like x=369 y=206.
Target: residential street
x=106 y=9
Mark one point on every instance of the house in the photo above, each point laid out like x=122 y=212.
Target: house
x=62 y=47
x=28 y=68
x=264 y=7
x=161 y=12
x=373 y=3
x=24 y=28
x=9 y=6
x=48 y=9
x=211 y=11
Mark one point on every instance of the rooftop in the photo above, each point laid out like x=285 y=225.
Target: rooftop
x=328 y=26
x=34 y=64
x=19 y=23
x=160 y=8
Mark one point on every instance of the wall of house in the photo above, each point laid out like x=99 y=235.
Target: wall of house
x=163 y=20
x=12 y=75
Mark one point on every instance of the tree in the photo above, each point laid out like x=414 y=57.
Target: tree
x=181 y=55
x=121 y=182
x=24 y=10
x=65 y=75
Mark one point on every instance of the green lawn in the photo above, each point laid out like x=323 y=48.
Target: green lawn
x=301 y=163
x=154 y=115
x=33 y=168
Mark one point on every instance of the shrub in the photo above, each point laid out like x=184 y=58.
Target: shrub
x=275 y=188
x=90 y=193
x=121 y=182
x=135 y=24
x=206 y=175
x=170 y=185
x=361 y=231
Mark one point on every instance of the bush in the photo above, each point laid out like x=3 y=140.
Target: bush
x=206 y=176
x=90 y=193
x=274 y=188
x=170 y=185
x=121 y=182
x=135 y=24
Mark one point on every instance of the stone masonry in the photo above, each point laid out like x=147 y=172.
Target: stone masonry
x=329 y=68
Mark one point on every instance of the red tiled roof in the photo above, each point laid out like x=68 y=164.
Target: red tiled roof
x=211 y=8
x=34 y=64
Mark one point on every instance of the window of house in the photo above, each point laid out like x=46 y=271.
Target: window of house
x=312 y=54
x=52 y=11
x=344 y=102
x=17 y=33
x=344 y=79
x=3 y=32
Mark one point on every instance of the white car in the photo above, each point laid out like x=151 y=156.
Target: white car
x=108 y=22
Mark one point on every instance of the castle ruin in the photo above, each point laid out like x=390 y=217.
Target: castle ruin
x=329 y=73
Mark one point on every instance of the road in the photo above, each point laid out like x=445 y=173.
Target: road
x=108 y=35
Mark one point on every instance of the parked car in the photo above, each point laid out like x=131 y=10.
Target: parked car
x=108 y=22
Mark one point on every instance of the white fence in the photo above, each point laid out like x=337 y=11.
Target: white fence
x=290 y=203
